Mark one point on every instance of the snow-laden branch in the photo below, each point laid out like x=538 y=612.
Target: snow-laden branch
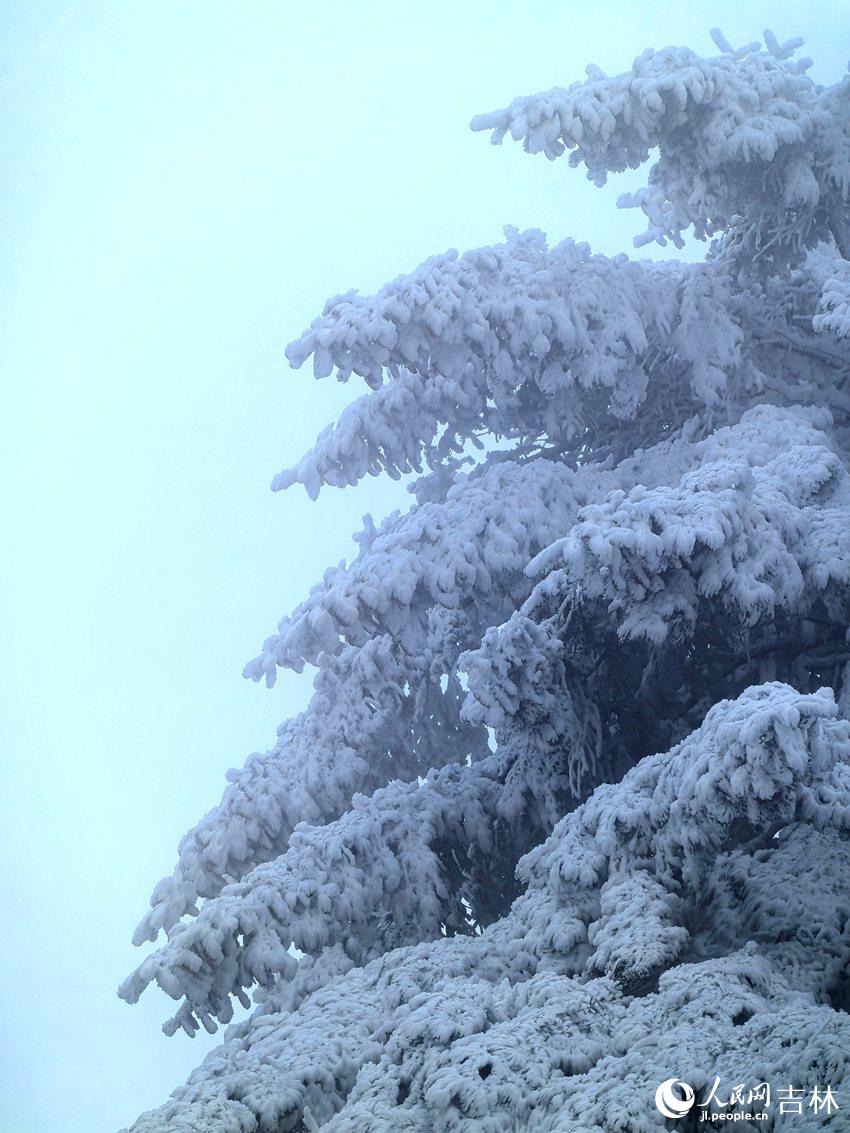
x=464 y=555
x=745 y=138
x=758 y=539
x=412 y=1038
x=517 y=341
x=511 y=911
x=363 y=727
x=435 y=579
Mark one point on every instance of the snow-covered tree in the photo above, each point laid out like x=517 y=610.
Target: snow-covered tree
x=568 y=814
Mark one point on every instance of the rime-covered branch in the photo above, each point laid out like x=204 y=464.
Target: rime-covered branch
x=569 y=811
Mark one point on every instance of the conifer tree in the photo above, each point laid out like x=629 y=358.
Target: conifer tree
x=568 y=815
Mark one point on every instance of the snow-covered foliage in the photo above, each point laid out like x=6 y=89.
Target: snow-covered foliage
x=746 y=141
x=596 y=983
x=569 y=812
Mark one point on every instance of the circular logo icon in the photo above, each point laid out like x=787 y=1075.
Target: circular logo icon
x=669 y=1103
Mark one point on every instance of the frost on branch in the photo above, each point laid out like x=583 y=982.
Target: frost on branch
x=380 y=712
x=378 y=876
x=464 y=555
x=362 y=727
x=834 y=309
x=567 y=1006
x=665 y=597
x=382 y=632
x=758 y=539
x=517 y=341
x=746 y=141
x=569 y=811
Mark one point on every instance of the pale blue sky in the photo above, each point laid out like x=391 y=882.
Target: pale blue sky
x=184 y=182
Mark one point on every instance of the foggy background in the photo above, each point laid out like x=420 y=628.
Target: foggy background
x=184 y=183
